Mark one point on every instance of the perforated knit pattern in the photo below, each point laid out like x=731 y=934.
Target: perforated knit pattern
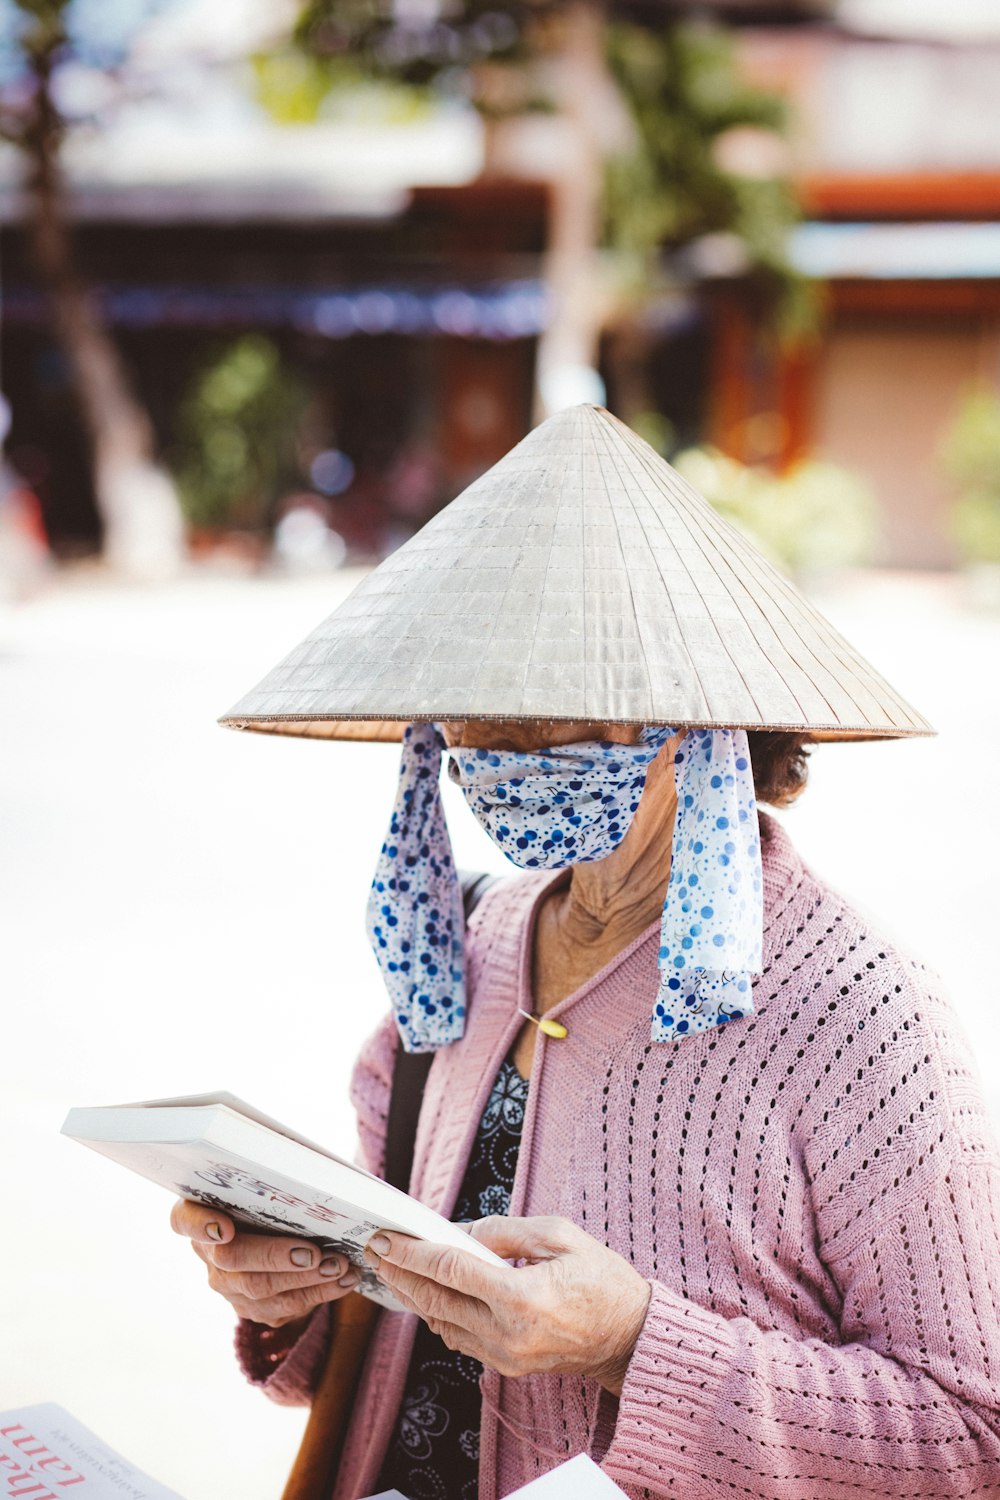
x=812 y=1192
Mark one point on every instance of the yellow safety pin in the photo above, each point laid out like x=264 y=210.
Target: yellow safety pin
x=551 y=1028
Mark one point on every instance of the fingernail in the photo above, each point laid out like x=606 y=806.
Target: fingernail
x=379 y=1244
x=332 y=1266
x=213 y=1230
x=301 y=1256
x=350 y=1280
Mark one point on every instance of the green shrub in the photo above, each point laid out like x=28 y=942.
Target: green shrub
x=238 y=425
x=813 y=519
x=970 y=455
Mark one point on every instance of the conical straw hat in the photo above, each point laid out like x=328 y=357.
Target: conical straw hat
x=581 y=579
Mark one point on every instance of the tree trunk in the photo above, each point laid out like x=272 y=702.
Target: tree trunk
x=628 y=354
x=566 y=369
x=136 y=499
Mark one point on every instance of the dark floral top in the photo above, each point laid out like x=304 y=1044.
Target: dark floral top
x=433 y=1453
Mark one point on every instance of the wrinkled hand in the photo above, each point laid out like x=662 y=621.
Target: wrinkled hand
x=574 y=1308
x=269 y=1278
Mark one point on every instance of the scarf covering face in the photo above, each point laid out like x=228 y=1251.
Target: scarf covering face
x=570 y=805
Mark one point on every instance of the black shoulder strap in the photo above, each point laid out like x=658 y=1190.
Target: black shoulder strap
x=410 y=1069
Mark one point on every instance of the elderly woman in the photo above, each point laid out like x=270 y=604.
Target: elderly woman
x=745 y=1186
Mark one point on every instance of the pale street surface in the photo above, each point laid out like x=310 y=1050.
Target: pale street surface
x=182 y=911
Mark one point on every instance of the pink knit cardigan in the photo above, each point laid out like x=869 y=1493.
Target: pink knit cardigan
x=811 y=1191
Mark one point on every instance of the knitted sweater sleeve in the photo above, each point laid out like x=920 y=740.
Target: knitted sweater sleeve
x=288 y=1375
x=905 y=1188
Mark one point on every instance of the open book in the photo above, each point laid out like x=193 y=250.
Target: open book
x=224 y=1153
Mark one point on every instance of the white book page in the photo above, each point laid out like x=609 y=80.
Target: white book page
x=577 y=1479
x=249 y=1112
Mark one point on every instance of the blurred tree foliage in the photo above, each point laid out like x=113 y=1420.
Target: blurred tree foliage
x=677 y=78
x=236 y=454
x=485 y=51
x=685 y=94
x=971 y=456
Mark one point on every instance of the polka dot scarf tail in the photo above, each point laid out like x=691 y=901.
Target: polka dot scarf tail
x=415 y=920
x=713 y=918
x=562 y=806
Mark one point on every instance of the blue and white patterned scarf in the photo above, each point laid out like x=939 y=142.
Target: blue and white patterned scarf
x=563 y=806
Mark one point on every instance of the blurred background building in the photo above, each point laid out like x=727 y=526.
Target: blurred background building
x=767 y=229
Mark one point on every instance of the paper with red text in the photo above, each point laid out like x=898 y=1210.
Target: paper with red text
x=45 y=1454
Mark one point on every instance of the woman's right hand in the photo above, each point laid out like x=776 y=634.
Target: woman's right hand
x=268 y=1278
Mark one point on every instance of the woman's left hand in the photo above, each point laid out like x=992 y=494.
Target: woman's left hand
x=575 y=1308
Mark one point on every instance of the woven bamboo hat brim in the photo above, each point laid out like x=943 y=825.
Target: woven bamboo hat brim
x=579 y=579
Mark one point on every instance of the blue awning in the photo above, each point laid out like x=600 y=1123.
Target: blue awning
x=493 y=310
